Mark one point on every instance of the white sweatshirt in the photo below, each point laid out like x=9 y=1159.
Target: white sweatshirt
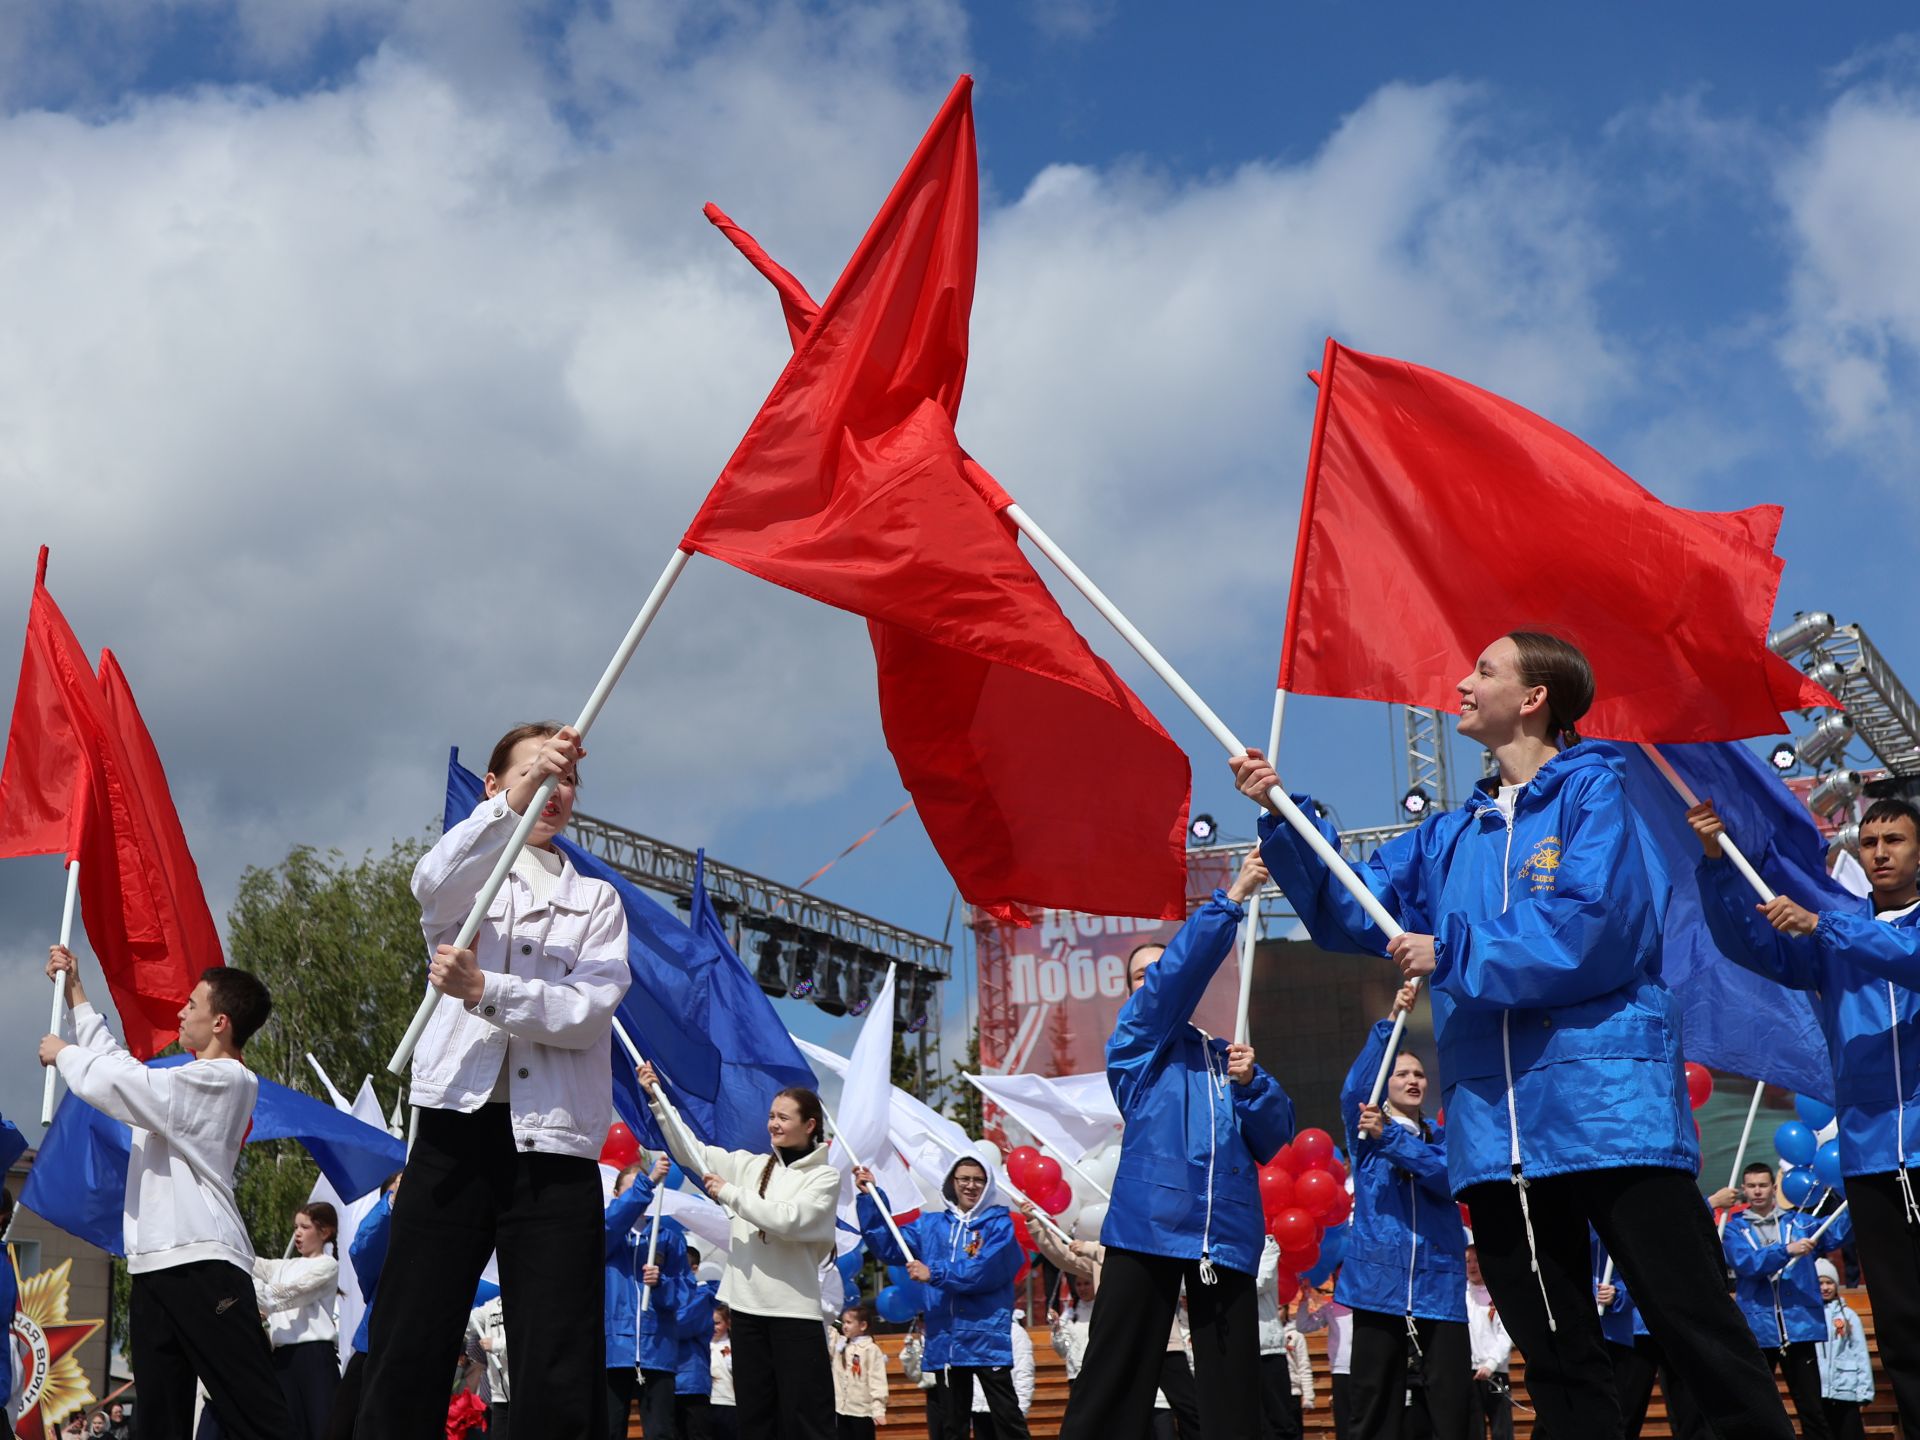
x=298 y=1297
x=720 y=1362
x=188 y=1123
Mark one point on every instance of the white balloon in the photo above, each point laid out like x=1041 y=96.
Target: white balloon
x=712 y=1272
x=1102 y=1167
x=1092 y=1217
x=989 y=1152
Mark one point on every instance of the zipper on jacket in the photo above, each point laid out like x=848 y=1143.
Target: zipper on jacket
x=1413 y=1251
x=1513 y=1113
x=1207 y=1275
x=1911 y=1208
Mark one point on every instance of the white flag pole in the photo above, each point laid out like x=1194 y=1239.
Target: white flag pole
x=1606 y=1278
x=611 y=677
x=1085 y=1179
x=60 y=988
x=873 y=1190
x=687 y=1138
x=1740 y=1153
x=1243 y=1014
x=1188 y=696
x=1825 y=1226
x=1685 y=792
x=653 y=1244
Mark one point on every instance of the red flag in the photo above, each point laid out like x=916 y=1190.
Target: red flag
x=1438 y=516
x=850 y=486
x=56 y=706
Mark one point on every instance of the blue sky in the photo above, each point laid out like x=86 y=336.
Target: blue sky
x=365 y=357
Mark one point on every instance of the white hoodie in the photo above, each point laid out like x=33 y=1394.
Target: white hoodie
x=188 y=1124
x=298 y=1296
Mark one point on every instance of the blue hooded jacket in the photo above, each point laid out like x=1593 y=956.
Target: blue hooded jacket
x=1781 y=1305
x=972 y=1257
x=1864 y=974
x=1408 y=1254
x=626 y=1257
x=368 y=1253
x=1194 y=1140
x=694 y=1322
x=659 y=1324
x=1559 y=1044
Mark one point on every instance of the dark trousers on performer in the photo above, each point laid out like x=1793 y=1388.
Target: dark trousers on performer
x=346 y=1400
x=659 y=1414
x=1635 y=1367
x=1128 y=1343
x=623 y=1388
x=468 y=1193
x=1492 y=1408
x=309 y=1376
x=1279 y=1406
x=782 y=1378
x=996 y=1386
x=853 y=1427
x=936 y=1395
x=1799 y=1361
x=694 y=1415
x=1662 y=1240
x=499 y=1421
x=1843 y=1419
x=1888 y=1239
x=201 y=1320
x=1182 y=1415
x=1383 y=1352
x=1341 y=1405
x=726 y=1426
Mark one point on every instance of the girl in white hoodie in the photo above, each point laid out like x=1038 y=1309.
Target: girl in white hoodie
x=297 y=1297
x=782 y=1211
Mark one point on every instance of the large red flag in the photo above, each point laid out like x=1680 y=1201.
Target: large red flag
x=55 y=709
x=1041 y=778
x=1438 y=516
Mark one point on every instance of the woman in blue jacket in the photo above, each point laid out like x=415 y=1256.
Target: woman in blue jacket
x=1201 y=1119
x=1405 y=1275
x=1535 y=913
x=966 y=1256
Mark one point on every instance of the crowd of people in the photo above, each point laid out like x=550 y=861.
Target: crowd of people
x=1531 y=919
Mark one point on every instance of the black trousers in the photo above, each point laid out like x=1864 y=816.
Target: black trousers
x=1127 y=1345
x=1384 y=1351
x=1340 y=1404
x=726 y=1423
x=309 y=1376
x=468 y=1193
x=937 y=1411
x=694 y=1415
x=346 y=1400
x=499 y=1421
x=1279 y=1406
x=1635 y=1367
x=659 y=1416
x=201 y=1321
x=1889 y=1245
x=1492 y=1408
x=996 y=1386
x=1843 y=1419
x=853 y=1427
x=1182 y=1415
x=1799 y=1361
x=1662 y=1240
x=782 y=1378
x=623 y=1388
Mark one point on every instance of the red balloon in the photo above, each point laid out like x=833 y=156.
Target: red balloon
x=1020 y=1166
x=620 y=1148
x=1293 y=1228
x=1313 y=1192
x=1057 y=1199
x=1699 y=1084
x=1276 y=1190
x=1289 y=1284
x=1314 y=1149
x=1289 y=1160
x=1042 y=1175
x=1339 y=1210
x=1298 y=1262
x=1338 y=1171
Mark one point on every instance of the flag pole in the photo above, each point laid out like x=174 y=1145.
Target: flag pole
x=1685 y=792
x=1606 y=1278
x=1243 y=1014
x=1825 y=1226
x=653 y=1243
x=60 y=988
x=1085 y=1179
x=1740 y=1154
x=1188 y=696
x=611 y=677
x=674 y=1118
x=872 y=1190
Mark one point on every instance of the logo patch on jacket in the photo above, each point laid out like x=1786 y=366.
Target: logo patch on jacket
x=1541 y=868
x=973 y=1244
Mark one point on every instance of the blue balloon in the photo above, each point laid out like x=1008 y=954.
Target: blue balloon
x=1826 y=1164
x=1814 y=1114
x=1333 y=1249
x=1795 y=1143
x=675 y=1175
x=896 y=1304
x=897 y=1275
x=1799 y=1186
x=849 y=1265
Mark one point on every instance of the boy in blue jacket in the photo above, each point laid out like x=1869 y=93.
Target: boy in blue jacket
x=1201 y=1119
x=626 y=1254
x=1863 y=967
x=966 y=1256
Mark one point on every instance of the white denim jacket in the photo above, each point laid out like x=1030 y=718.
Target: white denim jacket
x=553 y=976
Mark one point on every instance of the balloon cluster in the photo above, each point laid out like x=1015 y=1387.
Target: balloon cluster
x=1041 y=1177
x=1303 y=1193
x=1815 y=1166
x=621 y=1148
x=902 y=1297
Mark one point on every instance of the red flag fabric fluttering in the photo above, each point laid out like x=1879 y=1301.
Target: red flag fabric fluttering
x=851 y=487
x=56 y=708
x=1438 y=516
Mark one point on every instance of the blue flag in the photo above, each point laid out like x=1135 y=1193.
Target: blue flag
x=1733 y=1019
x=693 y=1008
x=79 y=1179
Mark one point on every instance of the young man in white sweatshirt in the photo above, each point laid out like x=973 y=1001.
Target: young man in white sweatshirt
x=192 y=1315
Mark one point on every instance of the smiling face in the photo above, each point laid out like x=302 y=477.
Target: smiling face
x=559 y=807
x=198 y=1023
x=785 y=1125
x=1407 y=1086
x=1494 y=699
x=969 y=1184
x=1828 y=1289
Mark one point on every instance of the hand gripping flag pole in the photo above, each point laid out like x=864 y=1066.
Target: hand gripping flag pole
x=635 y=633
x=1606 y=1278
x=1250 y=937
x=854 y=1161
x=60 y=989
x=1825 y=1225
x=1283 y=802
x=689 y=1142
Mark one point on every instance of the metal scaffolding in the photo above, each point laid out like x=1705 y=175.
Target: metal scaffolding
x=1885 y=717
x=1426 y=732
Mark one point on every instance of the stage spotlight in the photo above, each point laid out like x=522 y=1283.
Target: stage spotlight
x=910 y=1003
x=1783 y=757
x=1799 y=633
x=1829 y=676
x=800 y=986
x=863 y=983
x=768 y=974
x=1840 y=788
x=1849 y=836
x=829 y=995
x=1202 y=831
x=1416 y=802
x=1827 y=740
x=1320 y=811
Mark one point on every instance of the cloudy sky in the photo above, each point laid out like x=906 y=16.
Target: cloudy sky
x=362 y=360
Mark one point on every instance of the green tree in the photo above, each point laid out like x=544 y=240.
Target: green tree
x=338 y=943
